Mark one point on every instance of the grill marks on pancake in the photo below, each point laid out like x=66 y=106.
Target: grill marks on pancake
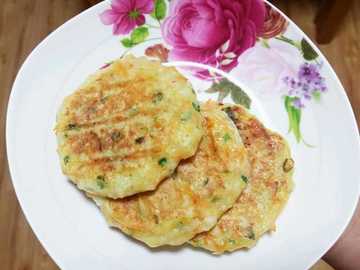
x=117 y=106
x=98 y=134
x=100 y=147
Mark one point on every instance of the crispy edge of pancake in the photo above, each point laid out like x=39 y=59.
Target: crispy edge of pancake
x=198 y=210
x=255 y=212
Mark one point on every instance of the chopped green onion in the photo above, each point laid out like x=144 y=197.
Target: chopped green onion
x=66 y=160
x=162 y=162
x=226 y=137
x=232 y=241
x=100 y=181
x=158 y=97
x=245 y=179
x=196 y=106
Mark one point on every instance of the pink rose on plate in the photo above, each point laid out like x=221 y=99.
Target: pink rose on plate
x=125 y=15
x=213 y=32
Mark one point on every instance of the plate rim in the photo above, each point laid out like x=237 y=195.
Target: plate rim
x=11 y=107
x=345 y=98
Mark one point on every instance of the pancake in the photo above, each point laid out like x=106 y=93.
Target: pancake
x=127 y=128
x=202 y=188
x=270 y=184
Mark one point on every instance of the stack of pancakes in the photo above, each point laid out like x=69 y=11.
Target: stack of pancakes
x=164 y=168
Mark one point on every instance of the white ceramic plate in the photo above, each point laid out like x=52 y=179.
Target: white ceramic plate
x=324 y=140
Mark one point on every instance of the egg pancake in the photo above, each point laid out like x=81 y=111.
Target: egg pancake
x=127 y=128
x=270 y=184
x=201 y=189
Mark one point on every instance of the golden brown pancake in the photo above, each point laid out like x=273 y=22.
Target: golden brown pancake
x=268 y=190
x=202 y=188
x=127 y=128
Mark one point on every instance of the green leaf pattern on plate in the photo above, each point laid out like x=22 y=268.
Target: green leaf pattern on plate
x=159 y=12
x=137 y=36
x=294 y=115
x=308 y=52
x=225 y=87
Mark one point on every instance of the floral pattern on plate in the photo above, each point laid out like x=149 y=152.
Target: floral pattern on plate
x=247 y=38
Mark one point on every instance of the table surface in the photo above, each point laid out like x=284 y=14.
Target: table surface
x=24 y=23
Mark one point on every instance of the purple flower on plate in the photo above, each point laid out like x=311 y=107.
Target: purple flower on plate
x=307 y=85
x=125 y=15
